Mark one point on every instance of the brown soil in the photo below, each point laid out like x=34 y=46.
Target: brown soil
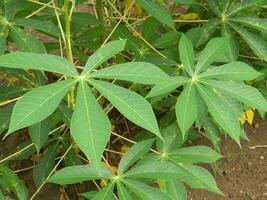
x=242 y=173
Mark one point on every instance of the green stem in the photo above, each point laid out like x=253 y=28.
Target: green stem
x=99 y=12
x=67 y=30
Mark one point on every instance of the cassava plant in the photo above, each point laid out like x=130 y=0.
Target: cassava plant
x=75 y=74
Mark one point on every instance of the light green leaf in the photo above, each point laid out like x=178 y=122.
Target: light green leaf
x=170 y=84
x=2 y=39
x=221 y=112
x=243 y=93
x=38 y=25
x=213 y=50
x=213 y=133
x=123 y=193
x=198 y=177
x=162 y=170
x=90 y=127
x=39 y=133
x=231 y=71
x=103 y=54
x=255 y=42
x=214 y=6
x=187 y=55
x=244 y=4
x=257 y=23
x=44 y=166
x=105 y=193
x=134 y=154
x=186 y=108
x=13 y=183
x=43 y=62
x=144 y=191
x=25 y=42
x=38 y=104
x=173 y=138
x=176 y=190
x=156 y=11
x=138 y=72
x=195 y=154
x=133 y=106
x=79 y=173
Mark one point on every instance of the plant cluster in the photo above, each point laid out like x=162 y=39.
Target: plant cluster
x=75 y=73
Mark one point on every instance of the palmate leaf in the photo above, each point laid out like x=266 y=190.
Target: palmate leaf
x=133 y=106
x=187 y=55
x=243 y=93
x=176 y=190
x=221 y=112
x=39 y=133
x=257 y=23
x=144 y=191
x=156 y=11
x=186 y=108
x=256 y=43
x=38 y=25
x=79 y=173
x=105 y=193
x=138 y=72
x=90 y=127
x=123 y=193
x=197 y=177
x=231 y=71
x=43 y=62
x=25 y=42
x=213 y=50
x=45 y=166
x=103 y=54
x=13 y=183
x=38 y=104
x=162 y=170
x=168 y=86
x=134 y=154
x=195 y=154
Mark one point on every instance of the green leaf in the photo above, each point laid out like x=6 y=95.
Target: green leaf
x=105 y=193
x=162 y=170
x=39 y=133
x=231 y=71
x=144 y=191
x=221 y=111
x=195 y=154
x=79 y=173
x=25 y=42
x=156 y=11
x=213 y=5
x=103 y=54
x=256 y=43
x=5 y=114
x=133 y=106
x=38 y=25
x=173 y=138
x=13 y=183
x=38 y=104
x=243 y=93
x=43 y=62
x=187 y=2
x=185 y=108
x=198 y=177
x=168 y=39
x=244 y=4
x=123 y=193
x=170 y=84
x=257 y=23
x=44 y=166
x=205 y=32
x=90 y=127
x=176 y=190
x=2 y=40
x=137 y=72
x=134 y=154
x=213 y=133
x=213 y=50
x=187 y=55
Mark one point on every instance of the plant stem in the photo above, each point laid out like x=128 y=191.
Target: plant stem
x=99 y=12
x=67 y=16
